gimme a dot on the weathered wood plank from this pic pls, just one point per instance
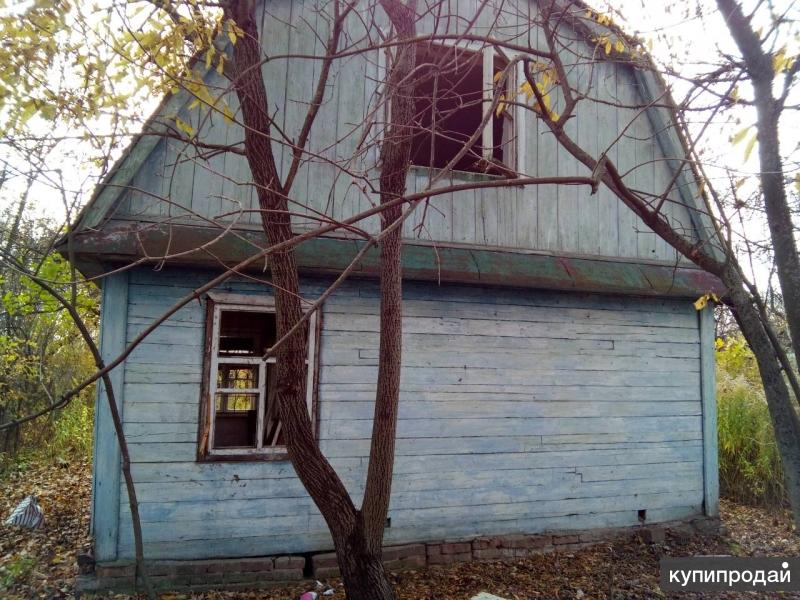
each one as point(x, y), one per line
point(709, 407)
point(106, 480)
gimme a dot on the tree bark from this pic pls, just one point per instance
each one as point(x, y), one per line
point(785, 420)
point(395, 160)
point(758, 65)
point(357, 534)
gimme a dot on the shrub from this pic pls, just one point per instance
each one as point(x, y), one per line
point(749, 462)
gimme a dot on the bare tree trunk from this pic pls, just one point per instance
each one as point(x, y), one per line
point(358, 549)
point(140, 576)
point(758, 65)
point(785, 420)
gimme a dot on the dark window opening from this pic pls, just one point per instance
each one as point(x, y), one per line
point(242, 387)
point(449, 107)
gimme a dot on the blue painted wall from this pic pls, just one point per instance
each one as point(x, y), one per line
point(521, 410)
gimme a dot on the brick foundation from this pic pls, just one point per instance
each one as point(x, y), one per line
point(268, 570)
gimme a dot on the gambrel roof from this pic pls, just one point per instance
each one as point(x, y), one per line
point(109, 228)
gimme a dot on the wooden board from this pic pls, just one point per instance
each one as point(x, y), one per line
point(518, 408)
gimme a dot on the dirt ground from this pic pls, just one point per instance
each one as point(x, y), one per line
point(42, 564)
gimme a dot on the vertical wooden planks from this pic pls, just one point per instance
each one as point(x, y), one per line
point(708, 395)
point(645, 181)
point(590, 138)
point(106, 482)
point(544, 162)
point(607, 133)
point(627, 161)
point(300, 87)
point(464, 212)
point(568, 206)
point(237, 184)
point(147, 185)
point(526, 207)
point(277, 31)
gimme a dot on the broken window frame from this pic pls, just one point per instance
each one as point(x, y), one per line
point(513, 119)
point(216, 305)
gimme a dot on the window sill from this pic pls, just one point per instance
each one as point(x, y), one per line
point(458, 176)
point(244, 457)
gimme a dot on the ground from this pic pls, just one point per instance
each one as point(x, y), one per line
point(42, 564)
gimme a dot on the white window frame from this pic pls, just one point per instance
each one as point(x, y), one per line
point(235, 303)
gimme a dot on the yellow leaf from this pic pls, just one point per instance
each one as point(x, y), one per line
point(797, 182)
point(619, 46)
point(209, 56)
point(608, 46)
point(526, 89)
point(497, 76)
point(718, 344)
point(701, 302)
point(750, 145)
point(232, 36)
point(184, 126)
point(228, 113)
point(501, 106)
point(738, 137)
point(221, 64)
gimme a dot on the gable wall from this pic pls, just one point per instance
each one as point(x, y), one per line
point(521, 411)
point(563, 219)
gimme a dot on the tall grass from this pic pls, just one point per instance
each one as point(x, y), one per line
point(749, 463)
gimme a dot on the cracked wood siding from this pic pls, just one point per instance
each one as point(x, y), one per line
point(519, 411)
point(565, 220)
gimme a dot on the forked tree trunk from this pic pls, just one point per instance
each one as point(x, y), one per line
point(357, 534)
point(365, 577)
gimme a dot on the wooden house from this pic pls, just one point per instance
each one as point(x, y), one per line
point(556, 375)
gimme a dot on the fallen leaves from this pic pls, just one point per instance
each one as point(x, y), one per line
point(42, 564)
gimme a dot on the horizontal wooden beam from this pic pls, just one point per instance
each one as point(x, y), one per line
point(123, 242)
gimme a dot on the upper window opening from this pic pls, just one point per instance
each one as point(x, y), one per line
point(451, 94)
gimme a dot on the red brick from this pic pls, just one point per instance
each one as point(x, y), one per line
point(493, 553)
point(284, 575)
point(409, 562)
point(112, 571)
point(290, 562)
point(456, 548)
point(447, 559)
point(526, 541)
point(327, 559)
point(484, 543)
point(398, 552)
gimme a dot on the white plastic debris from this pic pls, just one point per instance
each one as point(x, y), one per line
point(329, 592)
point(27, 514)
point(487, 596)
point(309, 596)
